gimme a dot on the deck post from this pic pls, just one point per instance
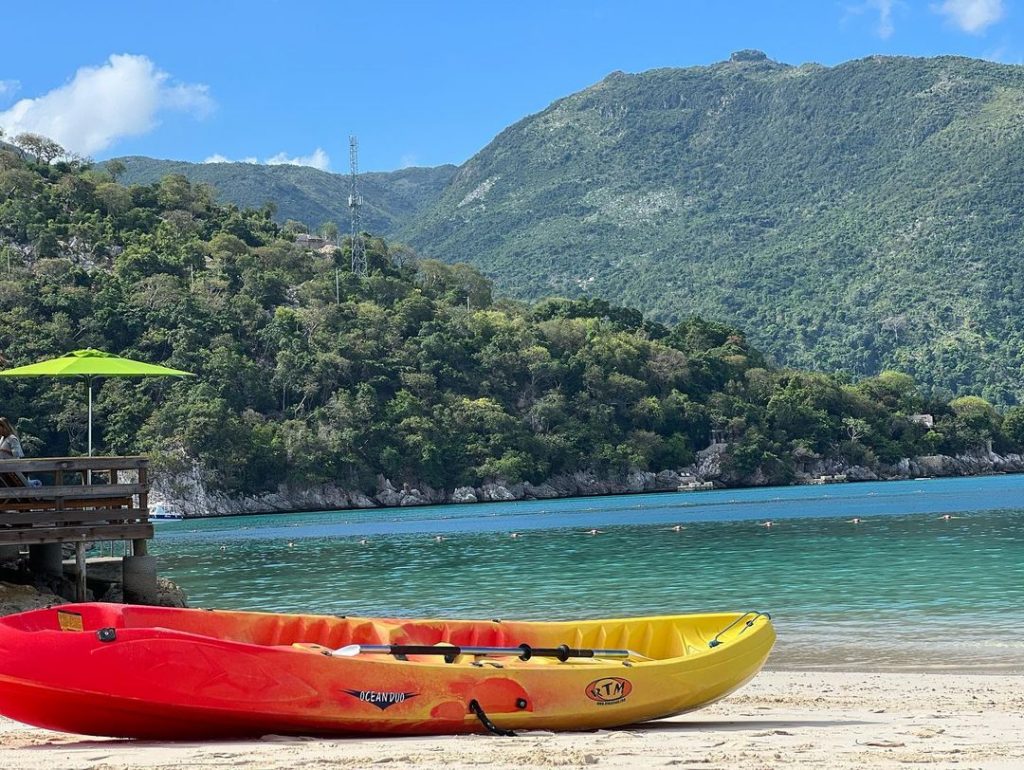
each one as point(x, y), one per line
point(46, 559)
point(80, 571)
point(139, 579)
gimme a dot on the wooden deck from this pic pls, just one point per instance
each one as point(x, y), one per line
point(81, 500)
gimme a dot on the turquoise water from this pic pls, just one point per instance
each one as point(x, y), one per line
point(903, 589)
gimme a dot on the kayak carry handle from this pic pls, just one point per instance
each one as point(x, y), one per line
point(716, 641)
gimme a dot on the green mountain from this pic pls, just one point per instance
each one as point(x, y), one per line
point(306, 194)
point(853, 218)
point(308, 374)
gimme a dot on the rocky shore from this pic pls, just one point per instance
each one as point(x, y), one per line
point(21, 589)
point(21, 597)
point(189, 495)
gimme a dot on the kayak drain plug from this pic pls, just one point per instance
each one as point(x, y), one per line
point(106, 634)
point(520, 703)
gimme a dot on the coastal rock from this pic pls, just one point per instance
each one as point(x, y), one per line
point(464, 495)
point(387, 495)
point(359, 500)
point(928, 465)
point(412, 496)
point(860, 473)
point(758, 479)
point(540, 491)
point(587, 484)
point(21, 598)
point(168, 594)
point(495, 493)
point(434, 496)
point(669, 480)
point(642, 481)
point(908, 468)
point(563, 486)
point(709, 462)
point(187, 493)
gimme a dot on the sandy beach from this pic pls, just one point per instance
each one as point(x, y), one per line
point(781, 719)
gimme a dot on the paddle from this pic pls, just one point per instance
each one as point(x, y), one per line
point(523, 652)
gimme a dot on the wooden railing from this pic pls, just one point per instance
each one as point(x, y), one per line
point(80, 500)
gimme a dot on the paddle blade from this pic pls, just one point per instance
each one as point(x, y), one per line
point(348, 651)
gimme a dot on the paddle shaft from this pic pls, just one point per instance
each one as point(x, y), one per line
point(523, 651)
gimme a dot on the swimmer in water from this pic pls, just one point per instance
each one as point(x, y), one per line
point(364, 541)
point(439, 538)
point(676, 528)
point(947, 517)
point(514, 535)
point(768, 523)
point(855, 520)
point(594, 532)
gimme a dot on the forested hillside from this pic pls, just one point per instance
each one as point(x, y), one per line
point(308, 373)
point(856, 218)
point(304, 194)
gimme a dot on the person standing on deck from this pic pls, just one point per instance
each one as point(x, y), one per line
point(10, 449)
point(10, 444)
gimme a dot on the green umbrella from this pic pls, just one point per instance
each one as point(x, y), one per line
point(90, 363)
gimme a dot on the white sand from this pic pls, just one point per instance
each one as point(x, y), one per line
point(782, 719)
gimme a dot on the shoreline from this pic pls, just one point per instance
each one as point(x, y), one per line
point(270, 503)
point(833, 721)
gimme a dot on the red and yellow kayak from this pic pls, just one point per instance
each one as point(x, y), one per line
point(159, 673)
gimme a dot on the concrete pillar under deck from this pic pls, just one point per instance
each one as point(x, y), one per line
point(46, 559)
point(139, 579)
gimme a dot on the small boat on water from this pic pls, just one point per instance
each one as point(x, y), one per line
point(161, 512)
point(160, 673)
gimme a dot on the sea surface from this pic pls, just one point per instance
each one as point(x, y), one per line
point(930, 577)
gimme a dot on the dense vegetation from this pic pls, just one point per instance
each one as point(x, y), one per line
point(304, 194)
point(309, 373)
point(854, 218)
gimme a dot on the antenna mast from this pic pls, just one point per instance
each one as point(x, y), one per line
point(355, 201)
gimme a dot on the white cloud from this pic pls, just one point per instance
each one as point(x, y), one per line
point(408, 160)
point(884, 8)
point(8, 87)
point(1003, 54)
point(100, 105)
point(885, 25)
point(318, 159)
point(971, 15)
point(218, 158)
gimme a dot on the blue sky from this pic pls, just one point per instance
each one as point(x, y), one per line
point(420, 83)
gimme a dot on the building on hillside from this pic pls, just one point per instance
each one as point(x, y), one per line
point(308, 241)
point(923, 419)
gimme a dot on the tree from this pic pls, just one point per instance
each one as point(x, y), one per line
point(43, 148)
point(115, 168)
point(329, 232)
point(1013, 427)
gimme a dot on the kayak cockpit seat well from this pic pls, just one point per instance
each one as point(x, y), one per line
point(657, 638)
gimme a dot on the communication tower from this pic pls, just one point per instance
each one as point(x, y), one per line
point(355, 201)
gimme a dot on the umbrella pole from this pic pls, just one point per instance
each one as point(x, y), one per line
point(88, 473)
point(90, 416)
